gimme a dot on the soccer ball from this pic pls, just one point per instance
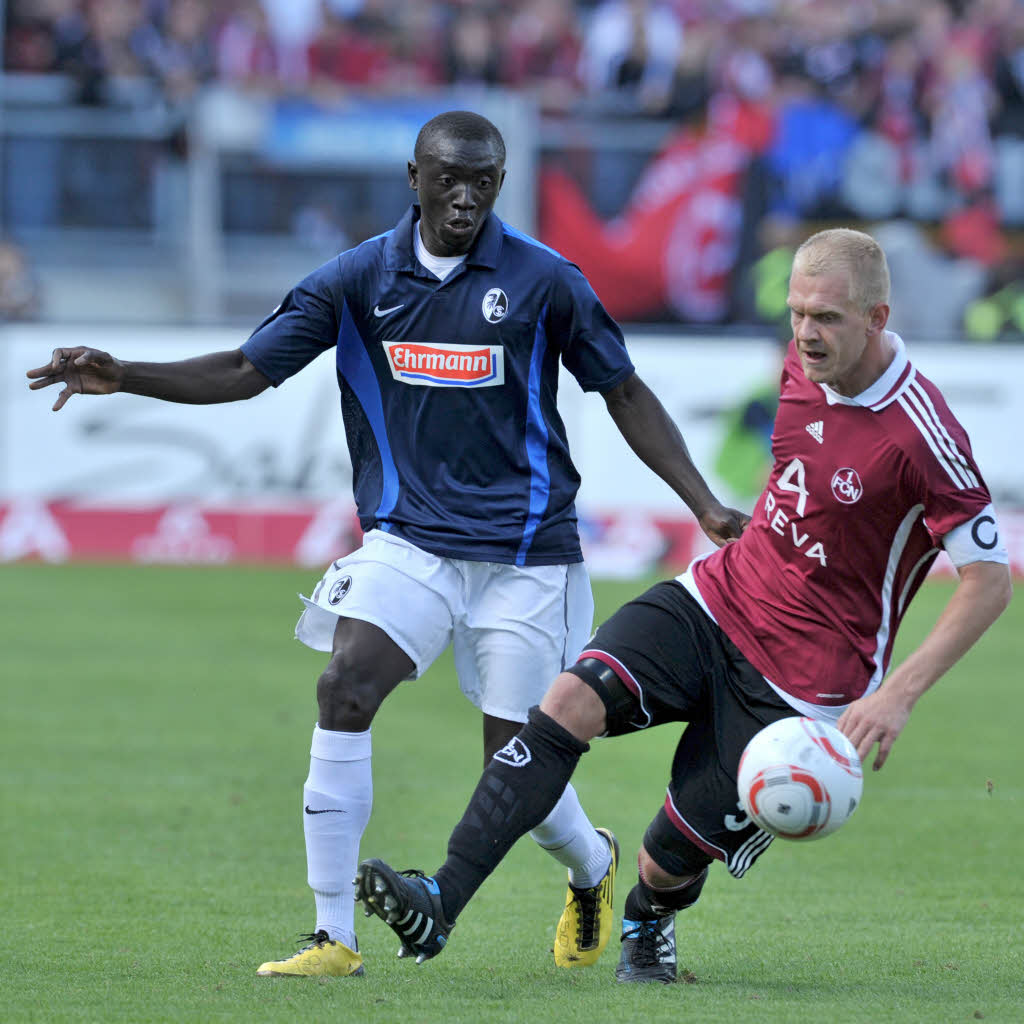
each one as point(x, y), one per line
point(799, 779)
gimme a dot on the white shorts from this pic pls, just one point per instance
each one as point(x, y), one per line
point(513, 628)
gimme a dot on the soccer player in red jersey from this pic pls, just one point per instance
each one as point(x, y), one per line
point(872, 476)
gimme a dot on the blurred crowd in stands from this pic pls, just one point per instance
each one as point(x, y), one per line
point(908, 66)
point(918, 96)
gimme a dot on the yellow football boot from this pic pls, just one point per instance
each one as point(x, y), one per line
point(586, 923)
point(322, 958)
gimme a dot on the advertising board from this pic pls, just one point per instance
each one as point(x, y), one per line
point(270, 479)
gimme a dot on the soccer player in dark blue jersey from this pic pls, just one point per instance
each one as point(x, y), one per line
point(449, 331)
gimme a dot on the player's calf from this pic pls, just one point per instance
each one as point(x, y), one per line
point(518, 789)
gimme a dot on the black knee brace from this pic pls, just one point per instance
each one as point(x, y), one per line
point(620, 706)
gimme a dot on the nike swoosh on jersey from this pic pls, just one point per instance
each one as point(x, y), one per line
point(377, 311)
point(326, 810)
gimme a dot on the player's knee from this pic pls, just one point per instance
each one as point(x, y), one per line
point(619, 705)
point(349, 694)
point(663, 890)
point(655, 875)
point(574, 706)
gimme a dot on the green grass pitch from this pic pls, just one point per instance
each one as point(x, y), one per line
point(155, 732)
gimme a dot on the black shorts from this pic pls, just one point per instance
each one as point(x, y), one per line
point(680, 667)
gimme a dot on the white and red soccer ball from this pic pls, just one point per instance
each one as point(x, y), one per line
point(800, 779)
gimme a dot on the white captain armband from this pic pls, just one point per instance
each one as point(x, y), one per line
point(977, 540)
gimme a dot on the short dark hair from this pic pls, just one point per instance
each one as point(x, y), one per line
point(459, 124)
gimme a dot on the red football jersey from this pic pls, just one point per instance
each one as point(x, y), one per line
point(860, 495)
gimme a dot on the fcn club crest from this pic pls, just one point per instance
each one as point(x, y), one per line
point(846, 486)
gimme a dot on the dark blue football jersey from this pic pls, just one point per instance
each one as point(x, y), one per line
point(448, 389)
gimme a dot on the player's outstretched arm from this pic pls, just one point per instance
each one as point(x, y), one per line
point(652, 434)
point(204, 380)
point(980, 597)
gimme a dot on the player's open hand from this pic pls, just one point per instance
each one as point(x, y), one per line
point(82, 371)
point(877, 718)
point(722, 524)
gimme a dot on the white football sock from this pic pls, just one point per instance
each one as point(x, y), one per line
point(336, 802)
point(566, 833)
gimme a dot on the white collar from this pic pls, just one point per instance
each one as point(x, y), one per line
point(881, 392)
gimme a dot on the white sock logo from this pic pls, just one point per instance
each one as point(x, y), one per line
point(515, 753)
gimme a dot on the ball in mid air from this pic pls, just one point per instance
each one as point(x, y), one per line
point(800, 779)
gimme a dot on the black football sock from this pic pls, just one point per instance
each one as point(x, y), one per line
point(517, 791)
point(645, 903)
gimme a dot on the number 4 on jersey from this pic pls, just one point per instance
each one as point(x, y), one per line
point(793, 479)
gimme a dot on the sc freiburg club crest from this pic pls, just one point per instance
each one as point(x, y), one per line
point(339, 589)
point(494, 306)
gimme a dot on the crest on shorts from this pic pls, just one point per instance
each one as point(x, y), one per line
point(339, 589)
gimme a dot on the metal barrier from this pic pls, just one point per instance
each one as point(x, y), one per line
point(139, 212)
point(133, 210)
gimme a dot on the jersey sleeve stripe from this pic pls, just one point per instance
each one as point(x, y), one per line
point(536, 443)
point(918, 397)
point(951, 468)
point(922, 564)
point(957, 453)
point(899, 544)
point(918, 394)
point(357, 370)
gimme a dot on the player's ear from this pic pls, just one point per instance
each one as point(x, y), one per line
point(413, 175)
point(501, 180)
point(878, 317)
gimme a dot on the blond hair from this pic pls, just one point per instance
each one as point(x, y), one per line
point(856, 252)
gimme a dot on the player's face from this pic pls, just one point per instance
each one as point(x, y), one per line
point(457, 182)
point(837, 340)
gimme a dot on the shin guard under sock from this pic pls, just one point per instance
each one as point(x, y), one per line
point(518, 789)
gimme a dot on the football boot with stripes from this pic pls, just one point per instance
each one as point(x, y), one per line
point(322, 958)
point(648, 950)
point(409, 903)
point(586, 922)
